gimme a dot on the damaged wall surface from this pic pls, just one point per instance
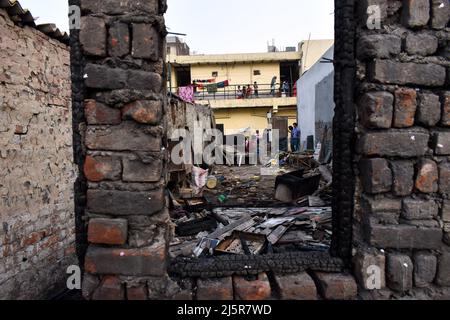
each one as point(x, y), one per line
point(397, 171)
point(37, 234)
point(403, 147)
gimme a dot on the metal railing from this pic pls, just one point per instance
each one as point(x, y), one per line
point(212, 92)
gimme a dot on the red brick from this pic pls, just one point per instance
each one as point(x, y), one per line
point(405, 108)
point(137, 292)
point(215, 289)
point(97, 169)
point(427, 176)
point(33, 238)
point(97, 113)
point(252, 290)
point(298, 286)
point(110, 288)
point(336, 286)
point(20, 129)
point(446, 110)
point(143, 111)
point(108, 231)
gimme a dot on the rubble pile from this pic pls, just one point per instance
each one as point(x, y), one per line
point(237, 210)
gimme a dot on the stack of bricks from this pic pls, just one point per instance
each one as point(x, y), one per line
point(128, 227)
point(403, 145)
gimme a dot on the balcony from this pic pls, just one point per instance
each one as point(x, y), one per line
point(235, 96)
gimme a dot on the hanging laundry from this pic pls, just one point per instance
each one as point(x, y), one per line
point(212, 88)
point(223, 84)
point(186, 93)
point(205, 81)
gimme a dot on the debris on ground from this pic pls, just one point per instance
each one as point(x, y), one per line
point(240, 210)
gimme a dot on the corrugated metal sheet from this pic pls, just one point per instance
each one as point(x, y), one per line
point(23, 17)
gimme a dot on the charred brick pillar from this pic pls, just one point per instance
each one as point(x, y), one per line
point(119, 106)
point(402, 149)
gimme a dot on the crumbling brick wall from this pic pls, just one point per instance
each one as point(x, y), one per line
point(402, 154)
point(118, 54)
point(36, 163)
point(391, 154)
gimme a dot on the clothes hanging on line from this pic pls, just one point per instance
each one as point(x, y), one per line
point(186, 93)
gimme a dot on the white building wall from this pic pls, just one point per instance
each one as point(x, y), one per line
point(306, 94)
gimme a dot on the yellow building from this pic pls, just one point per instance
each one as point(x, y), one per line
point(233, 109)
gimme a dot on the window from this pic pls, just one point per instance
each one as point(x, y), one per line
point(215, 74)
point(256, 72)
point(168, 50)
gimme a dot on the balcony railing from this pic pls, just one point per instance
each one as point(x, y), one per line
point(212, 92)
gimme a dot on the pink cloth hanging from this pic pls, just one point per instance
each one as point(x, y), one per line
point(186, 93)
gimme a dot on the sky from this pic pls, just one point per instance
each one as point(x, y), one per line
point(227, 26)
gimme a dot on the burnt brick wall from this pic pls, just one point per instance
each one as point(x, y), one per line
point(402, 158)
point(36, 163)
point(119, 52)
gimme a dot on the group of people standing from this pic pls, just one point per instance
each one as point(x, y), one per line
point(247, 91)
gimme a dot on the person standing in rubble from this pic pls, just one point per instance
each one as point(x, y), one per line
point(295, 138)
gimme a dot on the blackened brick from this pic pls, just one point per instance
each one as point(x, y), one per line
point(399, 272)
point(404, 236)
point(416, 209)
point(119, 40)
point(425, 265)
point(401, 143)
point(376, 175)
point(103, 77)
point(422, 44)
point(444, 178)
point(379, 46)
point(384, 210)
point(93, 36)
point(429, 109)
point(145, 42)
point(443, 273)
point(416, 13)
point(440, 13)
point(114, 7)
point(403, 73)
point(376, 109)
point(137, 171)
point(441, 143)
point(143, 80)
point(123, 203)
point(127, 136)
point(403, 177)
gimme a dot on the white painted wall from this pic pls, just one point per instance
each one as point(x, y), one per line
point(306, 94)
